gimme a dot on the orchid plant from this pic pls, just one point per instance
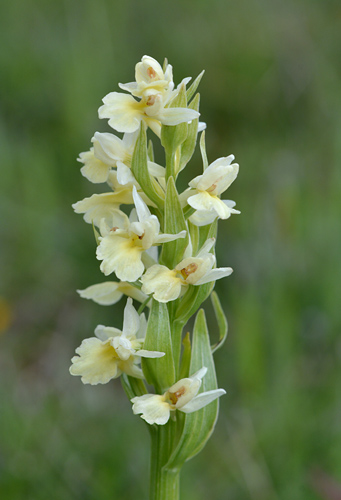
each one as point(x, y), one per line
point(163, 254)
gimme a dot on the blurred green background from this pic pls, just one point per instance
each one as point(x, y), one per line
point(271, 96)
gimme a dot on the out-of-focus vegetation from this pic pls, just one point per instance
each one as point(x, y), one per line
point(271, 96)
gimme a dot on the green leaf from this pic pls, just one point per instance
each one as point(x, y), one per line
point(188, 146)
point(208, 231)
point(159, 372)
point(173, 136)
point(192, 300)
point(192, 89)
point(172, 252)
point(222, 321)
point(199, 425)
point(96, 233)
point(203, 150)
point(194, 235)
point(139, 167)
point(150, 151)
point(186, 357)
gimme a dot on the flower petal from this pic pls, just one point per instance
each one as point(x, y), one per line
point(110, 292)
point(142, 210)
point(108, 147)
point(131, 320)
point(124, 174)
point(105, 333)
point(102, 206)
point(215, 274)
point(106, 294)
point(153, 407)
point(124, 112)
point(121, 256)
point(202, 217)
point(96, 363)
point(202, 400)
point(163, 238)
point(174, 116)
point(94, 169)
point(143, 353)
point(163, 283)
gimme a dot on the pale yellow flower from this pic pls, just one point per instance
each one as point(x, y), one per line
point(121, 245)
point(166, 285)
point(205, 190)
point(125, 113)
point(155, 89)
point(183, 396)
point(149, 75)
point(113, 352)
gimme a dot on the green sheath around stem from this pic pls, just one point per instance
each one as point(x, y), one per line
point(164, 483)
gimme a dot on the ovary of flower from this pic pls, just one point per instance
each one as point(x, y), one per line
point(149, 75)
point(166, 285)
point(183, 396)
point(110, 292)
point(112, 351)
point(125, 113)
point(122, 245)
point(206, 189)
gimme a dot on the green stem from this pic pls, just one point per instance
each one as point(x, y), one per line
point(164, 483)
